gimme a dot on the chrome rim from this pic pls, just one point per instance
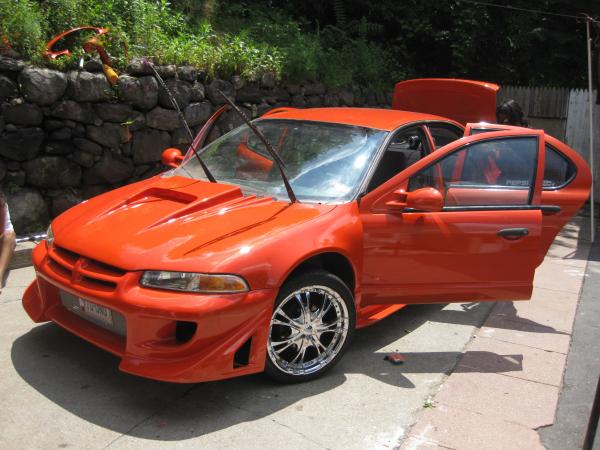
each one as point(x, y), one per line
point(308, 329)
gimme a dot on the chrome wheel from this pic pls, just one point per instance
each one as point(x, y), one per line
point(308, 329)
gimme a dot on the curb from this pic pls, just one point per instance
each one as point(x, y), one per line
point(22, 255)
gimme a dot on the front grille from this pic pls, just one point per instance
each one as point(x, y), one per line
point(84, 271)
point(65, 254)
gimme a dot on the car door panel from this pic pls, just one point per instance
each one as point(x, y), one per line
point(449, 256)
point(471, 250)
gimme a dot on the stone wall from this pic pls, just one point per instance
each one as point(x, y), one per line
point(65, 137)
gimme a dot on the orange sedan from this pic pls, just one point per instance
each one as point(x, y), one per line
point(188, 280)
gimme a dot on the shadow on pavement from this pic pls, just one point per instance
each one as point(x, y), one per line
point(570, 239)
point(85, 380)
point(504, 310)
point(511, 320)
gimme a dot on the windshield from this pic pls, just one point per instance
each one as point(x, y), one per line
point(324, 162)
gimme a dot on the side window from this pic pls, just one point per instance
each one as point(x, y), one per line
point(558, 170)
point(494, 172)
point(443, 134)
point(405, 149)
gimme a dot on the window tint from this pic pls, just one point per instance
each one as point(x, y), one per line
point(558, 170)
point(444, 134)
point(405, 149)
point(495, 172)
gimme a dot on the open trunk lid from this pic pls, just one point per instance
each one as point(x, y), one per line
point(460, 100)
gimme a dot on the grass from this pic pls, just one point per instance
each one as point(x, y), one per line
point(429, 403)
point(223, 38)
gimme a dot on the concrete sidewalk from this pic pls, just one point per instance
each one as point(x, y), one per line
point(583, 367)
point(503, 401)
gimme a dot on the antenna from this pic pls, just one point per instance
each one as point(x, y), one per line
point(181, 117)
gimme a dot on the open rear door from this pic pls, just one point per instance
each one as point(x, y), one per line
point(460, 100)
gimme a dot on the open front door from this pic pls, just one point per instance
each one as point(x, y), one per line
point(204, 132)
point(462, 224)
point(566, 181)
point(460, 100)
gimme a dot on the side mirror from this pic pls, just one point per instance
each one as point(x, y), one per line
point(425, 199)
point(172, 157)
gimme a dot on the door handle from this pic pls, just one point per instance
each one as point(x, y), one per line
point(512, 234)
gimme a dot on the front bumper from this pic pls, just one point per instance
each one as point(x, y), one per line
point(149, 346)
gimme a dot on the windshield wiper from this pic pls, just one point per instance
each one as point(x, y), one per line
point(268, 146)
point(182, 118)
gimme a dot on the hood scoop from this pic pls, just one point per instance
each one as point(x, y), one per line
point(190, 202)
point(155, 194)
point(207, 205)
point(170, 204)
point(191, 198)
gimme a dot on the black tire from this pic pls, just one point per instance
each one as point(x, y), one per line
point(336, 303)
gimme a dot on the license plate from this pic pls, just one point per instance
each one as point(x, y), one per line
point(95, 311)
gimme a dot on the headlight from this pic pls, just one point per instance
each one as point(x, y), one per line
point(194, 282)
point(49, 236)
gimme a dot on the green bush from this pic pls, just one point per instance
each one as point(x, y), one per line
point(21, 25)
point(225, 39)
point(303, 57)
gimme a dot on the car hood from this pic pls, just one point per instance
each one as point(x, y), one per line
point(169, 222)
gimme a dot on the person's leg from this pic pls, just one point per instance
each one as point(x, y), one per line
point(7, 248)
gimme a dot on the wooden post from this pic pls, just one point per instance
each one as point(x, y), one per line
point(590, 93)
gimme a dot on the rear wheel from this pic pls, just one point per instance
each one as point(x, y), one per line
point(312, 323)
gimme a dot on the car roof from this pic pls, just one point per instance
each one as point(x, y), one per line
point(382, 119)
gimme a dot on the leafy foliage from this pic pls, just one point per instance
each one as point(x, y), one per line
point(453, 38)
point(342, 43)
point(21, 24)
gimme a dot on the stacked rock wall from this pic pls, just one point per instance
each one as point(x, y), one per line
point(65, 137)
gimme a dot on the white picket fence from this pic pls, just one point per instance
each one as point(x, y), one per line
point(578, 123)
point(577, 133)
point(544, 102)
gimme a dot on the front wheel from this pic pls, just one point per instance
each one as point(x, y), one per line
point(312, 323)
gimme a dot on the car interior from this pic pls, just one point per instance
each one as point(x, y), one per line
point(405, 149)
